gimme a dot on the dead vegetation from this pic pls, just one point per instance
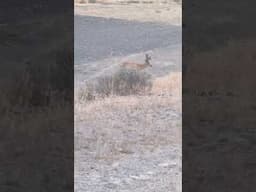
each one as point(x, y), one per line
point(123, 124)
point(122, 83)
point(132, 84)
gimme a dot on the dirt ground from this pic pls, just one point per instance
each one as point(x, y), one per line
point(165, 13)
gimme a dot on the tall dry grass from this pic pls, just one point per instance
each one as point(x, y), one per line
point(170, 84)
point(123, 124)
point(122, 83)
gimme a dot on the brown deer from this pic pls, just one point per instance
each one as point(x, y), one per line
point(137, 66)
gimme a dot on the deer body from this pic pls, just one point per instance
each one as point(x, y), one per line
point(137, 66)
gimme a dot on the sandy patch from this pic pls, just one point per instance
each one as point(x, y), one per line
point(166, 14)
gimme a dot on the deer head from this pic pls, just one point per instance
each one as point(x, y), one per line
point(148, 58)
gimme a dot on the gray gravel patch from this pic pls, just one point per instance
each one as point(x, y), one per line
point(158, 171)
point(98, 38)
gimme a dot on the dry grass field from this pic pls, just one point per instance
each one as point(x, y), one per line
point(118, 130)
point(127, 122)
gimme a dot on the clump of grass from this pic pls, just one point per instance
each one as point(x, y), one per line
point(124, 82)
point(104, 86)
point(169, 84)
point(87, 93)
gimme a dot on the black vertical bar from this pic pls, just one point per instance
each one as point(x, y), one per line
point(36, 108)
point(219, 96)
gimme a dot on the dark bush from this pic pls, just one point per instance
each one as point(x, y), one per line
point(124, 82)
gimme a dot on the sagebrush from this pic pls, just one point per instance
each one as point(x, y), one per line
point(122, 83)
